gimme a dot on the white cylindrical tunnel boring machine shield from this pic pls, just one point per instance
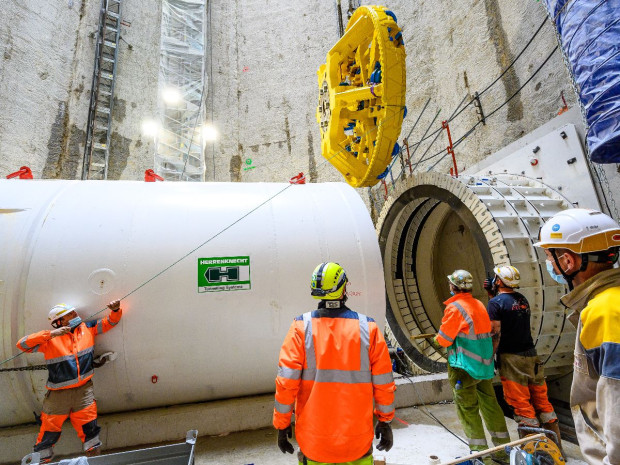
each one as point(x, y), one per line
point(209, 327)
point(434, 224)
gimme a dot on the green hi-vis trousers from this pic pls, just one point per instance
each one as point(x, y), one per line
point(476, 397)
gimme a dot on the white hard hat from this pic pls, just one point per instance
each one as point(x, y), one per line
point(462, 279)
point(60, 310)
point(508, 274)
point(579, 230)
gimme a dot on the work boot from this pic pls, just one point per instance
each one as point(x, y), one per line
point(555, 427)
point(94, 451)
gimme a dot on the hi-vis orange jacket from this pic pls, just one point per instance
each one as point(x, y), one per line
point(332, 364)
point(69, 357)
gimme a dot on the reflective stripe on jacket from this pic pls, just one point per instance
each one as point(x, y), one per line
point(332, 364)
point(69, 357)
point(466, 332)
point(596, 377)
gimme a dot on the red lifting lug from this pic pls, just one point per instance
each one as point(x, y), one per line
point(299, 179)
point(150, 176)
point(23, 173)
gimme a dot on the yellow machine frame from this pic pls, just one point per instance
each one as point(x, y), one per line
point(362, 96)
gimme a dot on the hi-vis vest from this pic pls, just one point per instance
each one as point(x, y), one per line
point(69, 357)
point(466, 332)
point(333, 363)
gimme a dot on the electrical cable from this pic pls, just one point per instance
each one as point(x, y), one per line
point(427, 411)
point(492, 112)
point(457, 112)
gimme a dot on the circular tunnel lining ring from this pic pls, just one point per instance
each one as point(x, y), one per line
point(434, 224)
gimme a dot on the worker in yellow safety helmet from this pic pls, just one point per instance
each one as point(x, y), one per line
point(582, 247)
point(333, 364)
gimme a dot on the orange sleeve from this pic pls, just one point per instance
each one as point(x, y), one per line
point(288, 380)
point(106, 324)
point(450, 326)
point(32, 342)
point(383, 386)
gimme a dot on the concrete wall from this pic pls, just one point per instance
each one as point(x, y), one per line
point(262, 82)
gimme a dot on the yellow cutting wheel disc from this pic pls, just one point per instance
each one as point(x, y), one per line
point(362, 96)
point(545, 447)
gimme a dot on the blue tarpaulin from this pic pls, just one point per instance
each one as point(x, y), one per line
point(589, 32)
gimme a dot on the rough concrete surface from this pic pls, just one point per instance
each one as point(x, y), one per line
point(262, 58)
point(416, 436)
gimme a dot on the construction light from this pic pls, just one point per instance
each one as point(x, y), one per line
point(171, 95)
point(150, 128)
point(209, 133)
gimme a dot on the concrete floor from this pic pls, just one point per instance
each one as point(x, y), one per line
point(416, 437)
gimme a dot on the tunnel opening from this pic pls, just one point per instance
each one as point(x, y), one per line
point(435, 224)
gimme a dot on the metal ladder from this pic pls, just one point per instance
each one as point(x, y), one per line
point(97, 150)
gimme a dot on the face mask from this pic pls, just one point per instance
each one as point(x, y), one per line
point(75, 322)
point(558, 278)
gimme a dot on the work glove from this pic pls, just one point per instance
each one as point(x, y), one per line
point(436, 345)
point(115, 306)
point(283, 443)
point(488, 286)
point(383, 431)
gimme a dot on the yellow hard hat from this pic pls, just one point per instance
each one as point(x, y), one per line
point(508, 274)
point(579, 230)
point(328, 280)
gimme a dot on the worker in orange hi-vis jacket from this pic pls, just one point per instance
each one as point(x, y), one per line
point(333, 363)
point(69, 350)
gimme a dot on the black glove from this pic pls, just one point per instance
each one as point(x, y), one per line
point(383, 430)
point(283, 443)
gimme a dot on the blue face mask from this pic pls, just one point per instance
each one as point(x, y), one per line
point(75, 322)
point(558, 278)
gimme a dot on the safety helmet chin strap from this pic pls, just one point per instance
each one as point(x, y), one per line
point(569, 277)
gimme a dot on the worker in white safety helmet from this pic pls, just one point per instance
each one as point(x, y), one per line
point(69, 355)
point(582, 247)
point(465, 333)
point(520, 368)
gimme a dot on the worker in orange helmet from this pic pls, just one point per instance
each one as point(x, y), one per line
point(69, 355)
point(333, 363)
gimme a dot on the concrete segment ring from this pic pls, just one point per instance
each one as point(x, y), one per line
point(502, 215)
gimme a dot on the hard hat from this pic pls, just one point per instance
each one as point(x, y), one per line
point(328, 280)
point(462, 279)
point(60, 310)
point(579, 230)
point(508, 274)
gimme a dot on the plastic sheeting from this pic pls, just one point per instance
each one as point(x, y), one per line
point(589, 33)
point(181, 91)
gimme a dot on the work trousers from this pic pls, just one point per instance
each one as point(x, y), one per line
point(476, 397)
point(525, 390)
point(366, 460)
point(78, 404)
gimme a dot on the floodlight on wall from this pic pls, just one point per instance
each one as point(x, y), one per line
point(209, 133)
point(150, 128)
point(171, 96)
